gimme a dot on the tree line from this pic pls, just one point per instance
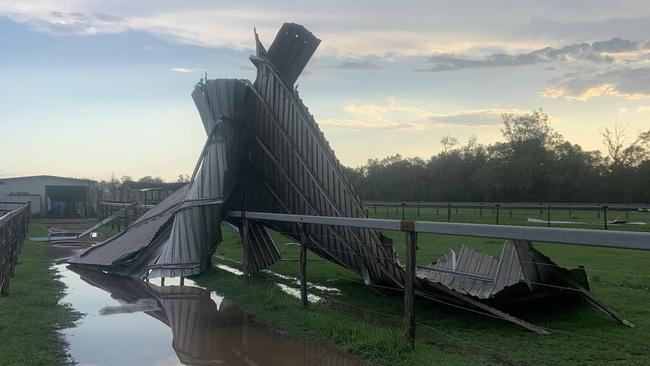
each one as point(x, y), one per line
point(532, 163)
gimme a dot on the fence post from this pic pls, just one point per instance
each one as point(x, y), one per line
point(605, 216)
point(497, 208)
point(449, 212)
point(403, 209)
point(548, 216)
point(480, 210)
point(303, 268)
point(409, 281)
point(245, 244)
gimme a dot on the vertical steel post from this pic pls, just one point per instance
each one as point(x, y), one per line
point(246, 245)
point(409, 286)
point(303, 268)
point(449, 212)
point(403, 209)
point(497, 208)
point(605, 216)
point(548, 216)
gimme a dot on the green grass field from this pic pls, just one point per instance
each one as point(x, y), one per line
point(31, 315)
point(367, 323)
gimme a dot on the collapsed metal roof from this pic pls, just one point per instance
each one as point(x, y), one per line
point(265, 152)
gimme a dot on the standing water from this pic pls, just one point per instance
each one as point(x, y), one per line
point(131, 322)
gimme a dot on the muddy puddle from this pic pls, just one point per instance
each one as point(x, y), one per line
point(132, 322)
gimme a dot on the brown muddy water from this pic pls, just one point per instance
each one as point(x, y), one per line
point(132, 322)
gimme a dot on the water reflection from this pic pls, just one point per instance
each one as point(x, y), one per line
point(206, 329)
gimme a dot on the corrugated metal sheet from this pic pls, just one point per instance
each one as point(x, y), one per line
point(474, 273)
point(291, 50)
point(129, 252)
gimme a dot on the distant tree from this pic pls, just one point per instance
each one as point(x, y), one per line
point(126, 179)
point(183, 178)
point(448, 142)
point(530, 127)
point(150, 179)
point(532, 163)
point(619, 152)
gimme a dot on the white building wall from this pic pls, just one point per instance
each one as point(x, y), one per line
point(35, 186)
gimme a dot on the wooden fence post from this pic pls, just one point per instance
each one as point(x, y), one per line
point(409, 286)
point(303, 268)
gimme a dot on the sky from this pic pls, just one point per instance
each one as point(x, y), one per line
point(96, 89)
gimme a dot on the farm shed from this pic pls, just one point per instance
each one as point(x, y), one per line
point(49, 195)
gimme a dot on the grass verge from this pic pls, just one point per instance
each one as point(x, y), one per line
point(31, 315)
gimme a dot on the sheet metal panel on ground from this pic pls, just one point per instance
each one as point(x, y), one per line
point(265, 152)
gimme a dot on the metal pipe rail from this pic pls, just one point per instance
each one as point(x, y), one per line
point(522, 205)
point(585, 237)
point(126, 204)
point(13, 230)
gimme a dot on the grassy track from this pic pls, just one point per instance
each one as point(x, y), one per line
point(350, 320)
point(31, 315)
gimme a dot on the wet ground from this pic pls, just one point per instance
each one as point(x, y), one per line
point(132, 322)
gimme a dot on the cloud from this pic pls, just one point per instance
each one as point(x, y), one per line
point(349, 31)
point(599, 52)
point(182, 69)
point(473, 118)
point(354, 124)
point(627, 83)
point(395, 115)
point(358, 65)
point(628, 26)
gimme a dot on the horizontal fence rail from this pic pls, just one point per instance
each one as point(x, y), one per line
point(13, 230)
point(522, 205)
point(587, 237)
